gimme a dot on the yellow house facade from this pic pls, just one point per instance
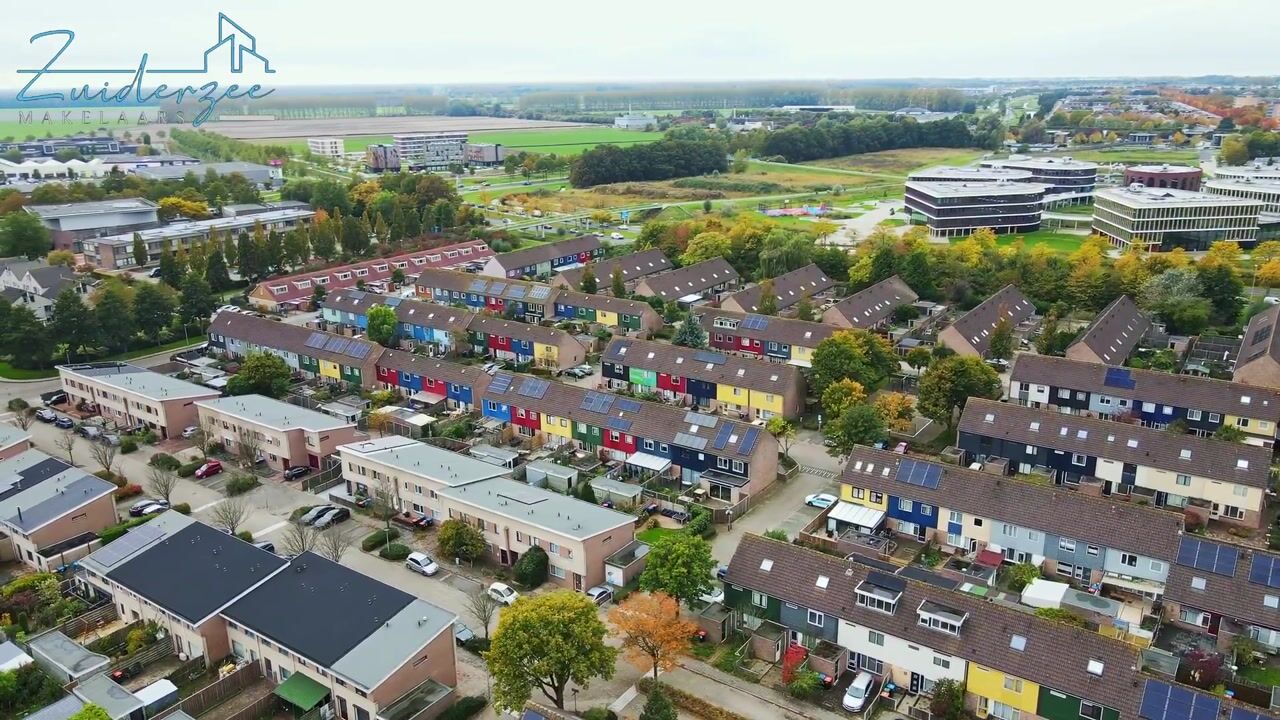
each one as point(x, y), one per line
point(546, 355)
point(864, 497)
point(607, 318)
point(330, 370)
point(1257, 432)
point(765, 403)
point(997, 693)
point(558, 426)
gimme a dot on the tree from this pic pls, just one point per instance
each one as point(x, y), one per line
point(482, 607)
point(531, 569)
point(298, 539)
point(918, 358)
point(249, 257)
point(842, 395)
point(948, 700)
point(323, 241)
point(690, 333)
point(618, 286)
point(456, 539)
point(680, 565)
point(297, 250)
point(72, 323)
point(382, 325)
point(261, 374)
point(66, 442)
point(1001, 345)
point(768, 304)
point(161, 482)
point(804, 309)
point(544, 642)
point(1269, 274)
point(335, 541)
point(104, 454)
point(113, 315)
point(153, 307)
point(171, 270)
point(1235, 151)
point(858, 425)
point(783, 431)
point(197, 298)
point(1229, 433)
point(61, 257)
point(588, 284)
point(355, 236)
point(896, 409)
point(216, 272)
point(949, 382)
point(24, 418)
point(658, 706)
point(1222, 288)
point(248, 447)
point(22, 233)
point(855, 354)
point(229, 514)
point(90, 712)
point(273, 252)
point(653, 634)
point(706, 246)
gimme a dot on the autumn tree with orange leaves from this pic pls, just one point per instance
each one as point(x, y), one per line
point(653, 633)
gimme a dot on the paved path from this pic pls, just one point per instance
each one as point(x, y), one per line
point(742, 697)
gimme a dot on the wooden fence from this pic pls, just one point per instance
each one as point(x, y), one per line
point(90, 620)
point(217, 692)
point(158, 651)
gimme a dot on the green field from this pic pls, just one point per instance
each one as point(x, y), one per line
point(564, 141)
point(900, 162)
point(1059, 242)
point(1133, 156)
point(10, 127)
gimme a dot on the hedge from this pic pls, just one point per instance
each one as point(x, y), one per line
point(189, 469)
point(116, 531)
point(128, 491)
point(245, 535)
point(184, 508)
point(394, 551)
point(377, 539)
point(241, 484)
point(128, 445)
point(689, 702)
point(464, 708)
point(165, 461)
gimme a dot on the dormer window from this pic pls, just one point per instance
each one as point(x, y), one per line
point(880, 592)
point(940, 617)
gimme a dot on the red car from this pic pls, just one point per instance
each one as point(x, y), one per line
point(209, 469)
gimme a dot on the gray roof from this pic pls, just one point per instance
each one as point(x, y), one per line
point(158, 528)
point(12, 435)
point(53, 278)
point(393, 642)
point(11, 653)
point(92, 208)
point(1116, 331)
point(429, 461)
point(1236, 596)
point(540, 508)
point(872, 305)
point(284, 336)
point(689, 280)
point(1260, 338)
point(1187, 454)
point(788, 288)
point(977, 325)
point(66, 654)
point(952, 173)
point(634, 266)
point(63, 709)
point(222, 168)
point(273, 413)
point(705, 365)
point(131, 378)
point(49, 501)
point(788, 331)
point(1137, 196)
point(1185, 391)
point(415, 312)
point(546, 252)
point(106, 694)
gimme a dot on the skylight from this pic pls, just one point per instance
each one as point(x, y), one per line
point(766, 565)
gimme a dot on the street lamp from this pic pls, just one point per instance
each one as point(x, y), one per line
point(575, 701)
point(730, 513)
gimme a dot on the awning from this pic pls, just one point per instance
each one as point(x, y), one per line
point(859, 515)
point(990, 558)
point(648, 462)
point(427, 398)
point(301, 692)
point(1144, 586)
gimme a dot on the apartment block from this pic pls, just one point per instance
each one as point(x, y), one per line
point(286, 435)
point(330, 147)
point(50, 511)
point(132, 397)
point(431, 151)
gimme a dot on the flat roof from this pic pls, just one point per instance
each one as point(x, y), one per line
point(1045, 163)
point(428, 461)
point(1138, 195)
point(953, 172)
point(222, 168)
point(1261, 184)
point(36, 488)
point(961, 189)
point(70, 656)
point(1163, 168)
point(131, 378)
point(273, 413)
point(92, 208)
point(394, 642)
point(196, 227)
point(106, 694)
point(12, 435)
point(540, 508)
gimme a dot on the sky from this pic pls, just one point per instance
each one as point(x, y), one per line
point(321, 42)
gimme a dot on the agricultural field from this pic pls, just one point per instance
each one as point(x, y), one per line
point(564, 141)
point(900, 162)
point(9, 125)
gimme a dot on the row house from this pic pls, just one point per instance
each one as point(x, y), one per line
point(439, 327)
point(871, 308)
point(429, 380)
point(708, 280)
point(970, 334)
point(1153, 399)
point(543, 347)
point(1113, 335)
point(528, 301)
point(50, 510)
point(915, 634)
point(298, 291)
point(130, 396)
point(633, 267)
point(705, 379)
point(1212, 479)
point(788, 289)
point(1259, 360)
point(1225, 591)
point(313, 354)
point(286, 435)
point(546, 259)
point(622, 316)
point(782, 340)
point(417, 471)
point(1070, 535)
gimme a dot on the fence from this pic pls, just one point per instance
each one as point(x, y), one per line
point(265, 706)
point(218, 692)
point(186, 671)
point(92, 619)
point(323, 480)
point(158, 651)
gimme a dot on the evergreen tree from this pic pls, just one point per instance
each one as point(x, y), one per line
point(296, 248)
point(247, 255)
point(273, 260)
point(355, 237)
point(216, 273)
point(381, 232)
point(588, 284)
point(140, 257)
point(323, 241)
point(171, 269)
point(445, 214)
point(690, 333)
point(231, 251)
point(619, 288)
point(658, 706)
point(197, 298)
point(412, 223)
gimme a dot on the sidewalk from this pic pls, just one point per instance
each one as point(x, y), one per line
point(746, 699)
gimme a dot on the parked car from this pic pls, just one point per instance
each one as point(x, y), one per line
point(56, 397)
point(155, 273)
point(209, 469)
point(46, 415)
point(309, 516)
point(422, 564)
point(140, 508)
point(295, 472)
point(90, 432)
point(900, 448)
point(227, 308)
point(855, 696)
point(503, 593)
point(64, 422)
point(714, 595)
point(600, 594)
point(189, 432)
point(722, 572)
point(615, 236)
point(266, 545)
point(820, 500)
point(330, 519)
point(461, 634)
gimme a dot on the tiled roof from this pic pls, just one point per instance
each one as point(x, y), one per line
point(776, 329)
point(689, 280)
point(705, 365)
point(1055, 654)
point(293, 338)
point(633, 267)
point(508, 289)
point(521, 331)
point(872, 305)
point(414, 312)
point(1238, 595)
point(1260, 338)
point(1067, 513)
point(442, 370)
point(302, 285)
point(1116, 331)
point(977, 325)
point(1180, 453)
point(608, 303)
point(534, 254)
point(787, 288)
point(1185, 391)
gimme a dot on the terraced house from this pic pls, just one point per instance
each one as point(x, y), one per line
point(510, 298)
point(776, 339)
point(544, 347)
point(429, 380)
point(420, 323)
point(1151, 398)
point(1012, 664)
point(1213, 479)
point(633, 267)
point(1072, 536)
point(871, 308)
point(622, 316)
point(543, 260)
point(707, 280)
point(1113, 335)
point(704, 379)
point(970, 334)
point(1225, 591)
point(1259, 361)
point(313, 354)
point(788, 289)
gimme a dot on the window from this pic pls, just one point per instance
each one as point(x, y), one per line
point(1091, 711)
point(1198, 583)
point(858, 493)
point(556, 571)
point(877, 497)
point(759, 599)
point(875, 638)
point(1242, 422)
point(1012, 684)
point(738, 467)
point(1271, 601)
point(1064, 393)
point(1184, 480)
point(1067, 545)
point(1092, 550)
point(1078, 459)
point(1129, 559)
point(648, 444)
point(1194, 617)
point(1215, 417)
point(1193, 414)
point(1004, 712)
point(722, 463)
point(1157, 566)
point(1240, 490)
point(553, 548)
point(817, 619)
point(941, 662)
point(905, 505)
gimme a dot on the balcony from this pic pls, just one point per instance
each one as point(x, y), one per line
point(426, 701)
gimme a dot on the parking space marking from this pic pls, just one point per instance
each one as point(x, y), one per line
point(206, 506)
point(271, 528)
point(819, 472)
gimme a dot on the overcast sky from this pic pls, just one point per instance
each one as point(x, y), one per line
point(316, 42)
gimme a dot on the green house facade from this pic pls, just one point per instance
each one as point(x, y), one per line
point(1057, 705)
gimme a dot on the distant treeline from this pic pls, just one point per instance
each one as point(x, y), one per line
point(659, 160)
point(219, 148)
point(831, 138)
point(761, 96)
point(935, 99)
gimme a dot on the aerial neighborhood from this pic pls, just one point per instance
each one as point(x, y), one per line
point(912, 399)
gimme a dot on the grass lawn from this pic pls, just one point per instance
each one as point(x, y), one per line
point(652, 534)
point(893, 222)
point(564, 141)
point(1265, 675)
point(1058, 242)
point(1074, 209)
point(900, 162)
point(9, 372)
point(1132, 156)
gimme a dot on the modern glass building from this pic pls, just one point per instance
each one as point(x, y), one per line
point(952, 209)
point(1161, 219)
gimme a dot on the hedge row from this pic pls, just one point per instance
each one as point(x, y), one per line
point(466, 707)
point(377, 539)
point(689, 702)
point(394, 551)
point(189, 469)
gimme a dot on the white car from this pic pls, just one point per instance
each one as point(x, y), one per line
point(422, 564)
point(714, 595)
point(820, 500)
point(490, 368)
point(616, 236)
point(189, 432)
point(855, 697)
point(227, 308)
point(503, 593)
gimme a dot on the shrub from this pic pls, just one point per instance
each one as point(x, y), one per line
point(184, 508)
point(18, 405)
point(1066, 617)
point(189, 469)
point(26, 582)
point(476, 645)
point(115, 531)
point(394, 551)
point(379, 538)
point(165, 461)
point(531, 568)
point(805, 684)
point(128, 491)
point(1021, 575)
point(149, 437)
point(240, 484)
point(245, 535)
point(465, 708)
point(692, 703)
point(599, 713)
point(114, 479)
point(777, 534)
point(128, 445)
point(653, 524)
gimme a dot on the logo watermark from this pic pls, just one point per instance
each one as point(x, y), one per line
point(239, 45)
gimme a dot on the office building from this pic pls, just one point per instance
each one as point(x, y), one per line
point(1266, 192)
point(1062, 175)
point(635, 122)
point(484, 154)
point(263, 176)
point(1160, 219)
point(1256, 171)
point(115, 252)
point(330, 147)
point(1178, 177)
point(954, 209)
point(71, 222)
point(431, 151)
point(980, 174)
point(382, 158)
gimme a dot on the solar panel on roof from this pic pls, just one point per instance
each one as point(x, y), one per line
point(532, 387)
point(915, 472)
point(497, 288)
point(691, 441)
point(1119, 378)
point(316, 340)
point(1265, 570)
point(709, 357)
point(1239, 713)
point(336, 344)
point(1207, 556)
point(540, 292)
point(722, 437)
point(615, 423)
point(1161, 701)
point(749, 441)
point(359, 351)
point(500, 383)
point(393, 301)
point(755, 322)
point(130, 543)
point(516, 291)
point(477, 285)
point(628, 405)
point(699, 419)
